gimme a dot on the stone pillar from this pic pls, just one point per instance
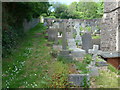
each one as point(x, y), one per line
point(110, 33)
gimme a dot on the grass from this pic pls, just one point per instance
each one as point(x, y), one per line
point(60, 41)
point(106, 79)
point(31, 64)
point(82, 66)
point(112, 68)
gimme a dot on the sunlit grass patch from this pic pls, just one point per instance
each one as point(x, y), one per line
point(22, 68)
point(107, 79)
point(58, 72)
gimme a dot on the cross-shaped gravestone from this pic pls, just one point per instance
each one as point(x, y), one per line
point(94, 52)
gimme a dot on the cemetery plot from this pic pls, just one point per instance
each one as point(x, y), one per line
point(90, 67)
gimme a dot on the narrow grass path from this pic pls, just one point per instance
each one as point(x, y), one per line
point(31, 64)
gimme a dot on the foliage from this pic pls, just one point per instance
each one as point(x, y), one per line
point(88, 28)
point(106, 79)
point(51, 17)
point(60, 41)
point(82, 67)
point(79, 10)
point(87, 59)
point(14, 14)
point(60, 10)
point(112, 68)
point(65, 60)
point(86, 83)
point(31, 65)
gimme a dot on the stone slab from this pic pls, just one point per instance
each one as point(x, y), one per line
point(78, 79)
point(78, 52)
point(93, 71)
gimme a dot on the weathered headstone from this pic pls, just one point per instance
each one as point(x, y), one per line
point(86, 42)
point(93, 71)
point(52, 34)
point(71, 44)
point(78, 37)
point(78, 79)
point(94, 50)
point(56, 25)
point(64, 39)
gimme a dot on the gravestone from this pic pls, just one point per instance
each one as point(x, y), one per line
point(93, 71)
point(92, 67)
point(56, 25)
point(78, 37)
point(78, 79)
point(64, 39)
point(65, 53)
point(86, 42)
point(78, 53)
point(71, 43)
point(52, 34)
point(94, 50)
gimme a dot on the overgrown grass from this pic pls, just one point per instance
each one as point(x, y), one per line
point(31, 64)
point(106, 79)
point(112, 69)
point(82, 66)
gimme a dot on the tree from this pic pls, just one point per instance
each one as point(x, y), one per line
point(60, 10)
point(13, 16)
point(80, 10)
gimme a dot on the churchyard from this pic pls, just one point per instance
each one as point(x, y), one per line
point(68, 53)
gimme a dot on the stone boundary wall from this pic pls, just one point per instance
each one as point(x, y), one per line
point(28, 25)
point(92, 22)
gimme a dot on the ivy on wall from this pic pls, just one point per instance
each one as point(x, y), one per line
point(13, 16)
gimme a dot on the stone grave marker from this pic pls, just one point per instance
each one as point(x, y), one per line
point(86, 42)
point(64, 52)
point(94, 50)
point(78, 79)
point(78, 37)
point(64, 39)
point(93, 71)
point(52, 34)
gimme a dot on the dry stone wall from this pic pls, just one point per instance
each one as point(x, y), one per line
point(91, 22)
